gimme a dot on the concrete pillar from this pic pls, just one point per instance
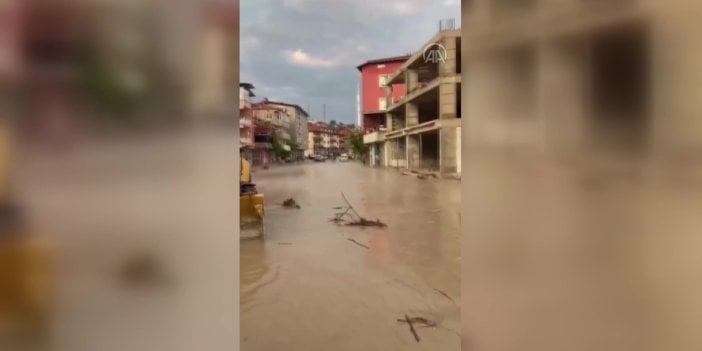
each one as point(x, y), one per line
point(449, 66)
point(458, 150)
point(411, 80)
point(447, 101)
point(448, 142)
point(412, 151)
point(411, 114)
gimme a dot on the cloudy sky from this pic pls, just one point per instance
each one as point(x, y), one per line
point(306, 51)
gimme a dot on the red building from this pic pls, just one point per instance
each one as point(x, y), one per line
point(374, 102)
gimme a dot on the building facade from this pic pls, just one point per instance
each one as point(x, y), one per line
point(422, 125)
point(278, 118)
point(323, 139)
point(373, 100)
point(298, 119)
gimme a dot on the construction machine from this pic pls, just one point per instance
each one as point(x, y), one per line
point(251, 211)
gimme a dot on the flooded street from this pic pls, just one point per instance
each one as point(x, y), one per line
point(307, 286)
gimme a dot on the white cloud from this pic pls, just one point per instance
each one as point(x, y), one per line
point(301, 58)
point(361, 9)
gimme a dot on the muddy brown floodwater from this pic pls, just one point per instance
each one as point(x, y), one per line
point(306, 286)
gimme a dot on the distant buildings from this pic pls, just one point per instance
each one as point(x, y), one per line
point(330, 140)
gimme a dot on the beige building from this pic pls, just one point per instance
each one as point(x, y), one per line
point(298, 119)
point(423, 128)
point(278, 118)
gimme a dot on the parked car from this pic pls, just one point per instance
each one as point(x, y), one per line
point(343, 158)
point(319, 158)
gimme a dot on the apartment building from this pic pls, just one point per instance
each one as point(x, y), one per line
point(298, 118)
point(323, 139)
point(373, 99)
point(584, 76)
point(278, 118)
point(423, 128)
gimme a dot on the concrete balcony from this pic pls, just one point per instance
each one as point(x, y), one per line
point(245, 123)
point(424, 127)
point(373, 137)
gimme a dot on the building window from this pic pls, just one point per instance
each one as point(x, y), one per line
point(382, 104)
point(383, 80)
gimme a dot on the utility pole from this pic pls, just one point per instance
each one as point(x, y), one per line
point(324, 112)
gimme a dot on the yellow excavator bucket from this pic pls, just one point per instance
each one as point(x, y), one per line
point(251, 211)
point(251, 215)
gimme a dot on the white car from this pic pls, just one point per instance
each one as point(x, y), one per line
point(343, 158)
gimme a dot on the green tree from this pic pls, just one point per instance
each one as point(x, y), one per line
point(359, 148)
point(278, 149)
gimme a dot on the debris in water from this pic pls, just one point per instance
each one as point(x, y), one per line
point(357, 243)
point(285, 243)
point(445, 294)
point(414, 332)
point(290, 203)
point(367, 223)
point(421, 177)
point(338, 208)
point(419, 320)
point(353, 218)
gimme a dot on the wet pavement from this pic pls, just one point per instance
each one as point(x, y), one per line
point(307, 286)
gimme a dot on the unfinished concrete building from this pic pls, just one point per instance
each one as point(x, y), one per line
point(574, 75)
point(424, 127)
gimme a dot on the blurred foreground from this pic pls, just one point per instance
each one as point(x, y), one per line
point(582, 175)
point(117, 200)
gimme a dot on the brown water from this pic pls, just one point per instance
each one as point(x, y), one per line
point(305, 286)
